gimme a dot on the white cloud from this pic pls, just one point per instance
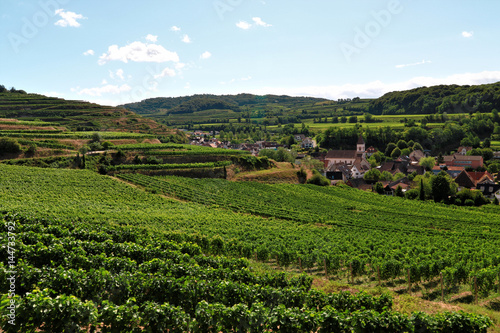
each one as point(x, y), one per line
point(107, 89)
point(151, 38)
point(104, 81)
point(89, 52)
point(187, 86)
point(205, 55)
point(243, 25)
point(138, 52)
point(258, 21)
point(378, 88)
point(186, 39)
point(414, 64)
point(179, 66)
point(119, 73)
point(174, 28)
point(467, 34)
point(165, 72)
point(68, 19)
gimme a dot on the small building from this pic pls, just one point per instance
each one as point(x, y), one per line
point(452, 171)
point(308, 143)
point(488, 188)
point(465, 161)
point(463, 150)
point(299, 137)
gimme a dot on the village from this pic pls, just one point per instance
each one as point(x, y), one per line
point(353, 167)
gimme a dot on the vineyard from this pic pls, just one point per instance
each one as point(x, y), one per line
point(108, 254)
point(75, 277)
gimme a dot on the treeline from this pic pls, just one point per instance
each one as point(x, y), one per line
point(11, 90)
point(464, 131)
point(439, 99)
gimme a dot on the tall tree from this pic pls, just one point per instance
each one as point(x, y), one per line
point(441, 186)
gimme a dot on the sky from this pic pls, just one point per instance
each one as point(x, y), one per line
point(114, 52)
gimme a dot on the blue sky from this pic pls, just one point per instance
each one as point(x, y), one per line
point(120, 51)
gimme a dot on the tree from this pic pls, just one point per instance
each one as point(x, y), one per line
point(368, 118)
point(487, 143)
point(9, 145)
point(390, 147)
point(96, 137)
point(302, 175)
point(396, 153)
point(372, 175)
point(421, 193)
point(427, 162)
point(386, 175)
point(441, 186)
point(318, 179)
point(379, 188)
point(402, 144)
point(418, 146)
point(399, 191)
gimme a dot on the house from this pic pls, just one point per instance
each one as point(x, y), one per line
point(420, 170)
point(359, 183)
point(464, 180)
point(370, 151)
point(481, 176)
point(346, 156)
point(308, 143)
point(465, 161)
point(488, 187)
point(391, 187)
point(398, 165)
point(470, 179)
point(359, 167)
point(463, 150)
point(452, 171)
point(270, 145)
point(299, 137)
point(336, 172)
point(416, 155)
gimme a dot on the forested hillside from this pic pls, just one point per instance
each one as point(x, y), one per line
point(189, 104)
point(439, 99)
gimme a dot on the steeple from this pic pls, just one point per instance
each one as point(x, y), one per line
point(360, 148)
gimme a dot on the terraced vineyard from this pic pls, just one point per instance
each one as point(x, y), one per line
point(94, 253)
point(73, 115)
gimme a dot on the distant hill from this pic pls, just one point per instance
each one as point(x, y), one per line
point(439, 99)
point(74, 115)
point(195, 103)
point(210, 111)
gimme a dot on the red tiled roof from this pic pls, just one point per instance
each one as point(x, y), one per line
point(334, 154)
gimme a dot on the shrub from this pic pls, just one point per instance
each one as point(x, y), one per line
point(8, 145)
point(318, 179)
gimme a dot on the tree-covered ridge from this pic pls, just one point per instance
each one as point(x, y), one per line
point(189, 104)
point(439, 99)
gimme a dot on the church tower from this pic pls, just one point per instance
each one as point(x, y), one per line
point(361, 145)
